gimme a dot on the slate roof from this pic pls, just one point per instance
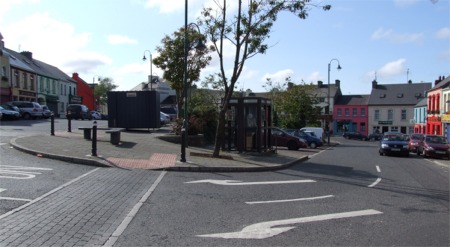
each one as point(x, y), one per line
point(398, 94)
point(353, 100)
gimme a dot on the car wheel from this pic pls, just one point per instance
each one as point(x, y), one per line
point(292, 146)
point(407, 154)
point(26, 116)
point(372, 139)
point(381, 153)
point(364, 139)
point(424, 153)
point(312, 145)
point(418, 152)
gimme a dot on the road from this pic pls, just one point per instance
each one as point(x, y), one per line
point(347, 195)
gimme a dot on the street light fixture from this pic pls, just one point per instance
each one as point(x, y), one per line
point(329, 105)
point(150, 77)
point(199, 46)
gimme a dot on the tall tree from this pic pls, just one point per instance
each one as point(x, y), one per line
point(101, 90)
point(171, 60)
point(247, 30)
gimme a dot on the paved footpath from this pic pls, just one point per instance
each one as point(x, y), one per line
point(84, 212)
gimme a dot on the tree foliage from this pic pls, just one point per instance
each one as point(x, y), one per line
point(101, 90)
point(171, 60)
point(247, 30)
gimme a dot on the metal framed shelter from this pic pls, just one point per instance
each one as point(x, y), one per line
point(248, 124)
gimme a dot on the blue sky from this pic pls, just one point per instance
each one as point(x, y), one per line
point(381, 39)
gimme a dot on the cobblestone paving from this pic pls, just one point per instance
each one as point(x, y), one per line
point(84, 213)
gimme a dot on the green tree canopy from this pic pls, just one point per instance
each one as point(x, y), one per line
point(101, 90)
point(171, 60)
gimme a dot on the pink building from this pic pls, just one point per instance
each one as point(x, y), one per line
point(351, 114)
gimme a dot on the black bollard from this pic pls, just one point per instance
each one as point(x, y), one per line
point(52, 124)
point(69, 119)
point(94, 139)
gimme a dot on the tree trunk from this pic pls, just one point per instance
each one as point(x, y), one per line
point(219, 133)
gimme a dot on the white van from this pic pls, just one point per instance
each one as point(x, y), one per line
point(316, 130)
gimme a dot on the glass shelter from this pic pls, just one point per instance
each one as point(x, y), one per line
point(248, 124)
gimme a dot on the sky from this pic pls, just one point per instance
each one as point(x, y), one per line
point(392, 41)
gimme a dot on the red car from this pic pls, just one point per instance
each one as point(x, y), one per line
point(284, 139)
point(434, 146)
point(414, 142)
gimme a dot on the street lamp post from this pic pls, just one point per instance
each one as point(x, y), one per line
point(150, 61)
point(199, 46)
point(329, 105)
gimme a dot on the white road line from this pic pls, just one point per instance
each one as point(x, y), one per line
point(292, 200)
point(236, 182)
point(378, 169)
point(375, 183)
point(121, 228)
point(46, 194)
point(271, 228)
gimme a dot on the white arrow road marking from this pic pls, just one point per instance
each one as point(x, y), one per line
point(11, 198)
point(292, 200)
point(271, 228)
point(378, 179)
point(237, 182)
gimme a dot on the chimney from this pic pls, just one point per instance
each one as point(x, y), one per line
point(338, 83)
point(27, 54)
point(374, 84)
point(75, 75)
point(319, 84)
point(409, 82)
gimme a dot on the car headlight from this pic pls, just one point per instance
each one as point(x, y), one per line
point(429, 148)
point(384, 145)
point(405, 146)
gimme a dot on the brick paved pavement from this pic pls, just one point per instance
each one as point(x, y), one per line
point(84, 213)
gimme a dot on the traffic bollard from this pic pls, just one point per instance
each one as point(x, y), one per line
point(94, 139)
point(69, 119)
point(52, 124)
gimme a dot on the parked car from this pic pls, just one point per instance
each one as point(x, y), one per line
point(165, 118)
point(414, 142)
point(28, 110)
point(9, 114)
point(312, 141)
point(284, 139)
point(318, 132)
point(171, 112)
point(434, 146)
point(393, 143)
point(78, 111)
point(46, 113)
point(96, 115)
point(375, 137)
point(355, 135)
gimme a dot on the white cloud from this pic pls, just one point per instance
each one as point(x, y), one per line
point(390, 69)
point(120, 39)
point(279, 76)
point(54, 42)
point(443, 33)
point(401, 38)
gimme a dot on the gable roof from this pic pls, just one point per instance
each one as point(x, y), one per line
point(398, 94)
point(353, 100)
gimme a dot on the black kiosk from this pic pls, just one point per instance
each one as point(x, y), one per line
point(248, 122)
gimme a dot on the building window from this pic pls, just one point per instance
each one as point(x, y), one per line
point(394, 128)
point(47, 86)
point(390, 115)
point(31, 82)
point(355, 112)
point(3, 71)
point(339, 112)
point(363, 112)
point(53, 87)
point(403, 114)
point(376, 116)
point(24, 81)
point(347, 112)
point(16, 79)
